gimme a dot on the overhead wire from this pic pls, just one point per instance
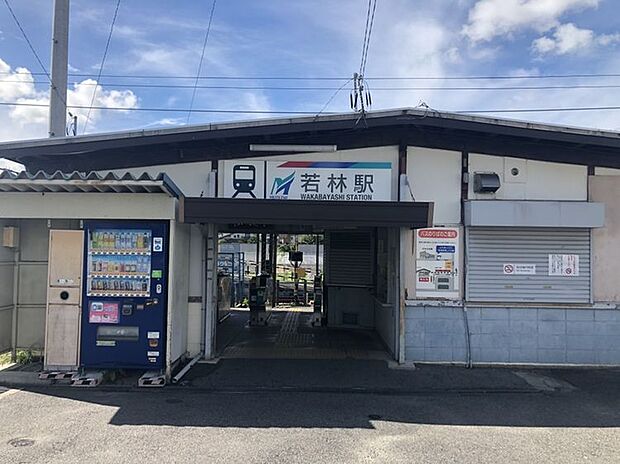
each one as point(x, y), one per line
point(301, 112)
point(105, 54)
point(331, 98)
point(204, 47)
point(367, 35)
point(333, 78)
point(318, 88)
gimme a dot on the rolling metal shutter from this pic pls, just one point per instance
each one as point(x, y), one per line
point(349, 258)
point(489, 249)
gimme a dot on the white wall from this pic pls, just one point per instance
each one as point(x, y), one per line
point(435, 175)
point(191, 178)
point(178, 290)
point(132, 206)
point(195, 332)
point(537, 180)
point(386, 154)
point(605, 240)
point(606, 171)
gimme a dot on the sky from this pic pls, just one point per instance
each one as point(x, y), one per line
point(311, 39)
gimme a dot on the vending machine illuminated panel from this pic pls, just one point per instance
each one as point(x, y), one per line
point(123, 323)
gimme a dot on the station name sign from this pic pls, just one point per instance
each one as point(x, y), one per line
point(309, 180)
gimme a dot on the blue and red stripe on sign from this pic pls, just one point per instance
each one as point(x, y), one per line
point(336, 165)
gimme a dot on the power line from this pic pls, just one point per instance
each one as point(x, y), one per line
point(204, 47)
point(333, 96)
point(105, 54)
point(335, 78)
point(165, 110)
point(32, 49)
point(301, 112)
point(316, 88)
point(370, 19)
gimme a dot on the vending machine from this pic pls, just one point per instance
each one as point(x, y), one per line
point(125, 295)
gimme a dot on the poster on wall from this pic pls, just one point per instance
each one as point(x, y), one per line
point(564, 265)
point(437, 273)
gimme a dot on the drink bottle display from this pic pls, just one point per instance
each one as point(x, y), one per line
point(119, 262)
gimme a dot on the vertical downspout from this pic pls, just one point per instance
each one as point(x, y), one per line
point(591, 172)
point(402, 173)
point(15, 320)
point(464, 196)
point(203, 294)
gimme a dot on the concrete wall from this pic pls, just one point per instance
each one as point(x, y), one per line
point(386, 312)
point(385, 322)
point(536, 180)
point(191, 178)
point(606, 171)
point(517, 335)
point(7, 260)
point(435, 175)
point(195, 325)
point(32, 291)
point(178, 290)
point(606, 240)
point(115, 206)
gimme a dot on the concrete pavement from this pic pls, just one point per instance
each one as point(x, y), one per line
point(60, 425)
point(322, 412)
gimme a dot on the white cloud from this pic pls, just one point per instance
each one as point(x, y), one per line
point(492, 18)
point(568, 38)
point(24, 122)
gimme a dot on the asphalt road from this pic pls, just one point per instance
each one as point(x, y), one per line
point(181, 425)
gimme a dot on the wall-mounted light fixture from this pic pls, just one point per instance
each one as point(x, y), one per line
point(294, 148)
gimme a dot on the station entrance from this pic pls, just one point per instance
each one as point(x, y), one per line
point(327, 294)
point(353, 307)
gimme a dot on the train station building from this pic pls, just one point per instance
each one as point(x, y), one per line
point(445, 239)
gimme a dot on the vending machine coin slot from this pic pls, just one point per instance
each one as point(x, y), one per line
point(127, 309)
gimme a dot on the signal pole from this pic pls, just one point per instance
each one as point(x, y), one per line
point(60, 62)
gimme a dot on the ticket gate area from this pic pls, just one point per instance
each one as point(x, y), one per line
point(303, 306)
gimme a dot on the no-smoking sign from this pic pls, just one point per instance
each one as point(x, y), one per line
point(509, 269)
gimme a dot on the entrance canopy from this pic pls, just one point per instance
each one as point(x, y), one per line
point(242, 212)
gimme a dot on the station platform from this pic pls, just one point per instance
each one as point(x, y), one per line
point(289, 335)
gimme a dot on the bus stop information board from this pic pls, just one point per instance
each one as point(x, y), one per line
point(437, 263)
point(309, 180)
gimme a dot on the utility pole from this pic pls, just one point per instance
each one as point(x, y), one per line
point(60, 63)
